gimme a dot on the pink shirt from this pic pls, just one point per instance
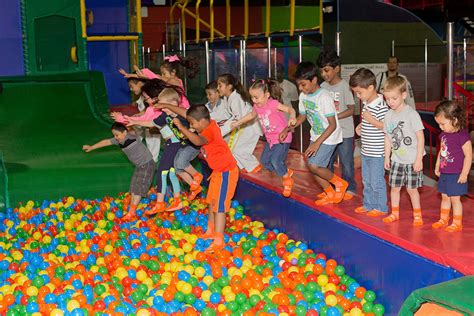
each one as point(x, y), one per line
point(273, 121)
point(150, 114)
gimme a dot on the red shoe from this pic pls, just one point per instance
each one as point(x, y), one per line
point(192, 195)
point(159, 207)
point(198, 177)
point(176, 205)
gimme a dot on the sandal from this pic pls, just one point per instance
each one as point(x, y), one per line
point(325, 200)
point(390, 219)
point(340, 191)
point(361, 210)
point(192, 195)
point(442, 223)
point(375, 213)
point(198, 177)
point(417, 220)
point(453, 228)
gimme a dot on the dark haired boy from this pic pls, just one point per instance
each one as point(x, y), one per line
point(139, 155)
point(317, 105)
point(330, 66)
point(225, 173)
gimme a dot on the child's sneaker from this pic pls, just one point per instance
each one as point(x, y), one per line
point(192, 195)
point(197, 177)
point(175, 205)
point(159, 207)
point(288, 183)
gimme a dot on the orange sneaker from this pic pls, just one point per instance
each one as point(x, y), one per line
point(192, 195)
point(376, 213)
point(198, 177)
point(361, 210)
point(340, 190)
point(159, 207)
point(176, 205)
point(287, 185)
point(129, 216)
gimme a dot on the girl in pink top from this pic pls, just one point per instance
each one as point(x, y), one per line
point(272, 114)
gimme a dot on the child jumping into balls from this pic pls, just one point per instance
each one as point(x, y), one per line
point(139, 155)
point(225, 173)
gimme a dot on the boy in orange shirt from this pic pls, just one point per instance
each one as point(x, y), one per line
point(225, 173)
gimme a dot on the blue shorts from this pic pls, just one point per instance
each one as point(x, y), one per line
point(448, 184)
point(322, 157)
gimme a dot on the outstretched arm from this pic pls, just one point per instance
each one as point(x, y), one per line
point(194, 138)
point(289, 110)
point(243, 120)
point(102, 143)
point(176, 109)
point(132, 121)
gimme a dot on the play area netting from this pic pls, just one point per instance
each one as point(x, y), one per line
point(44, 121)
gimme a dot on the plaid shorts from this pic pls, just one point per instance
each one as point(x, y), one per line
point(142, 178)
point(403, 175)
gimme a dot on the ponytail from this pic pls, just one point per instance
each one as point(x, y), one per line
point(172, 63)
point(229, 79)
point(268, 85)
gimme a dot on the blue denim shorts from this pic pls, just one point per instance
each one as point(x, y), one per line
point(322, 157)
point(448, 184)
point(184, 157)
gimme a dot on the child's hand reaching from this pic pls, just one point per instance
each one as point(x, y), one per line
point(283, 135)
point(358, 129)
point(177, 123)
point(126, 74)
point(116, 115)
point(386, 163)
point(312, 149)
point(87, 148)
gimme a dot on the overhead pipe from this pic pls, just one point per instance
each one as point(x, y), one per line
point(292, 17)
point(267, 18)
point(246, 19)
point(211, 18)
point(198, 33)
point(183, 19)
point(227, 20)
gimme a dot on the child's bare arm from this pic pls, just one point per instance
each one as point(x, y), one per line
point(288, 109)
point(176, 109)
point(420, 149)
point(388, 151)
point(466, 167)
point(102, 143)
point(347, 113)
point(299, 120)
point(245, 119)
point(437, 173)
point(132, 121)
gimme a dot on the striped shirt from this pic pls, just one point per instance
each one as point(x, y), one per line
point(373, 139)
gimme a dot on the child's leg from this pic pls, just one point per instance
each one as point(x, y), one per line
point(346, 158)
point(266, 158)
point(395, 201)
point(378, 184)
point(279, 152)
point(415, 203)
point(457, 214)
point(317, 164)
point(153, 143)
point(219, 224)
point(244, 147)
point(445, 210)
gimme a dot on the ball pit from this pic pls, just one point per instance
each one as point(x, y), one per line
point(77, 257)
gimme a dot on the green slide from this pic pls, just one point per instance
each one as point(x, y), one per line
point(44, 121)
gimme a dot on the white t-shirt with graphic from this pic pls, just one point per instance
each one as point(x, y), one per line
point(342, 96)
point(317, 107)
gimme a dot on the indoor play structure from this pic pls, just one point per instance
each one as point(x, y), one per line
point(64, 249)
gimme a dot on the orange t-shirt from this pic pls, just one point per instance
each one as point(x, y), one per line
point(217, 153)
